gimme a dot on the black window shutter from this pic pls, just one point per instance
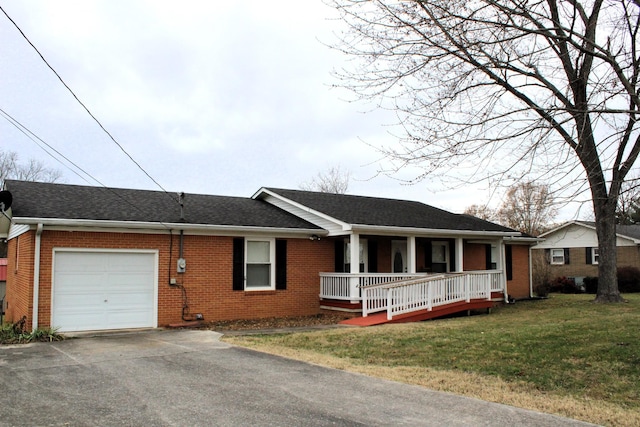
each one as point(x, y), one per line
point(452, 255)
point(238, 264)
point(566, 256)
point(428, 260)
point(339, 256)
point(487, 254)
point(509, 261)
point(547, 255)
point(281, 264)
point(372, 248)
point(588, 256)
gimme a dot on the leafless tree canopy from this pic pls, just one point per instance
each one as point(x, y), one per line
point(334, 180)
point(482, 212)
point(508, 88)
point(528, 207)
point(628, 210)
point(33, 170)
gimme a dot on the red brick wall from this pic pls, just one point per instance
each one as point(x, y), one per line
point(207, 280)
point(19, 291)
point(519, 287)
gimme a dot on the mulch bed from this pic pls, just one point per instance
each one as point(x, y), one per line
point(275, 322)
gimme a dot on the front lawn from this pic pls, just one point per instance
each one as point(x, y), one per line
point(563, 355)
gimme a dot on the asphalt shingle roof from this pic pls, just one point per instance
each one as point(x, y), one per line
point(377, 211)
point(44, 200)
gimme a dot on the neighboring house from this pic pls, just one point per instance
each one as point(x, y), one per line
point(91, 258)
point(571, 250)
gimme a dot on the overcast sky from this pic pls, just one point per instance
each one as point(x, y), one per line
point(208, 97)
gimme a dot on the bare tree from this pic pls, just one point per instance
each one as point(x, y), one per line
point(628, 210)
point(335, 180)
point(33, 170)
point(482, 212)
point(538, 88)
point(528, 207)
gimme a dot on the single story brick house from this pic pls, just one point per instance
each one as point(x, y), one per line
point(571, 250)
point(94, 258)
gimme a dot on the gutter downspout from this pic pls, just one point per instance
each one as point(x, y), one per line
point(36, 277)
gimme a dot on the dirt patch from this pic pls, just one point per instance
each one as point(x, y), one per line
point(276, 322)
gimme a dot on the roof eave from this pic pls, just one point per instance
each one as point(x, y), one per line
point(344, 225)
point(140, 225)
point(590, 227)
point(414, 231)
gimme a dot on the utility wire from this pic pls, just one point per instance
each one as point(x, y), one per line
point(32, 135)
point(35, 138)
point(85, 107)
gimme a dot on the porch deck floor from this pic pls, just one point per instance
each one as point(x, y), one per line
point(416, 316)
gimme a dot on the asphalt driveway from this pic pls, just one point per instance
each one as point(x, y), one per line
point(190, 378)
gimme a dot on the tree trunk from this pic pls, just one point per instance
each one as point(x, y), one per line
point(607, 252)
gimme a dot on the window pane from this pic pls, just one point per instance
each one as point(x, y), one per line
point(557, 256)
point(257, 251)
point(438, 253)
point(258, 275)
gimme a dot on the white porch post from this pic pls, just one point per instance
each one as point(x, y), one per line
point(500, 265)
point(459, 254)
point(411, 254)
point(354, 263)
point(501, 257)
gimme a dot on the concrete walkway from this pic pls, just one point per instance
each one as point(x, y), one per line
point(190, 378)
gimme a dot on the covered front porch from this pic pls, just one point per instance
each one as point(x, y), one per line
point(401, 273)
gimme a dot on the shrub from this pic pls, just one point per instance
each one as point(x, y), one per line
point(542, 290)
point(565, 285)
point(591, 285)
point(628, 279)
point(15, 333)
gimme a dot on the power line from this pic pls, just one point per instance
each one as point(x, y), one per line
point(35, 138)
point(85, 107)
point(32, 136)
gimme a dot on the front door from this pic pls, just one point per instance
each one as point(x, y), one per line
point(399, 256)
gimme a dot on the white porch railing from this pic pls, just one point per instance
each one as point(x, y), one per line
point(338, 285)
point(429, 292)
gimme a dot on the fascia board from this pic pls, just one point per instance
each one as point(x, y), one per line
point(565, 225)
point(590, 227)
point(345, 226)
point(411, 231)
point(95, 225)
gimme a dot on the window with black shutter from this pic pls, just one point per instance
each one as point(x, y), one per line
point(281, 264)
point(238, 264)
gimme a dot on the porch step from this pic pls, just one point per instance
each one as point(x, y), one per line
point(416, 316)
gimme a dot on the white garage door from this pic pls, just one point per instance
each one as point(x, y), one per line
point(104, 290)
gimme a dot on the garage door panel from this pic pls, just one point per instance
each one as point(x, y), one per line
point(139, 280)
point(81, 282)
point(128, 319)
point(104, 290)
point(69, 302)
point(66, 262)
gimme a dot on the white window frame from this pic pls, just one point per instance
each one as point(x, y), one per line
point(445, 245)
point(272, 263)
point(595, 256)
point(364, 254)
point(553, 256)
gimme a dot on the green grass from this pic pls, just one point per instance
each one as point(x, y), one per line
point(564, 346)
